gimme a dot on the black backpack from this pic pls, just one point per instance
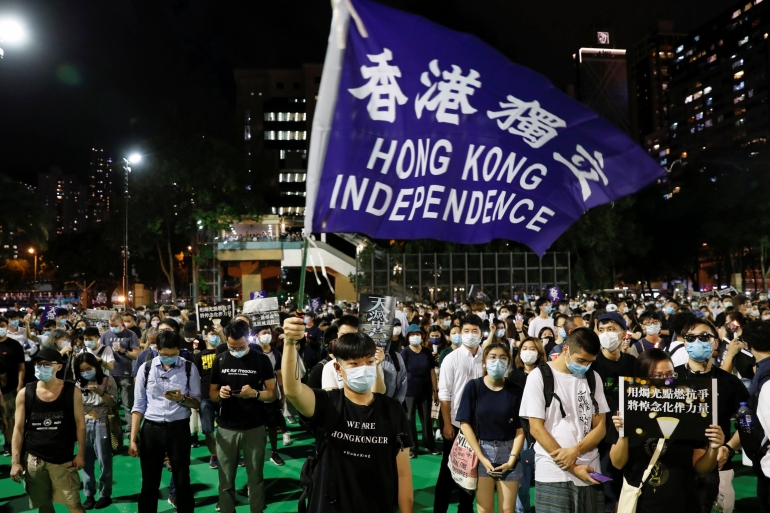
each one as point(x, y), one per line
point(147, 365)
point(550, 395)
point(754, 444)
point(311, 470)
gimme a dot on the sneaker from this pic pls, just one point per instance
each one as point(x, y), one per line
point(287, 439)
point(435, 452)
point(291, 419)
point(194, 442)
point(89, 503)
point(241, 462)
point(412, 455)
point(6, 450)
point(213, 462)
point(438, 435)
point(276, 458)
point(172, 500)
point(217, 507)
point(103, 502)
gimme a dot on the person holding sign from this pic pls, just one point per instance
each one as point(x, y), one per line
point(567, 420)
point(363, 437)
point(671, 482)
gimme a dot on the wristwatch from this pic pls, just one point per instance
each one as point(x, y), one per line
point(257, 397)
point(731, 452)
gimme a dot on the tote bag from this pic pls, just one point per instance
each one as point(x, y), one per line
point(629, 495)
point(464, 464)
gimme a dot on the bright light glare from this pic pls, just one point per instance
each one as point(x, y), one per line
point(31, 250)
point(134, 158)
point(121, 299)
point(11, 31)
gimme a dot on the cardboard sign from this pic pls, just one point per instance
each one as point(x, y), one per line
point(206, 316)
point(98, 318)
point(376, 317)
point(262, 312)
point(675, 409)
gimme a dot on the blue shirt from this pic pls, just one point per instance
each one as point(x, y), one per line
point(494, 414)
point(128, 342)
point(150, 401)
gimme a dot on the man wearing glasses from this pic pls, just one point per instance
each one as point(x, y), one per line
point(700, 340)
point(54, 422)
point(651, 324)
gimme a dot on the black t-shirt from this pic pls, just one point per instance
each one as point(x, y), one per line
point(495, 414)
point(137, 330)
point(11, 355)
point(419, 367)
point(315, 377)
point(731, 391)
point(253, 370)
point(314, 351)
point(609, 371)
point(671, 485)
point(518, 376)
point(221, 348)
point(205, 361)
point(361, 456)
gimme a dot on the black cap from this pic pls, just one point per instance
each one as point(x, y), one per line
point(48, 354)
point(191, 328)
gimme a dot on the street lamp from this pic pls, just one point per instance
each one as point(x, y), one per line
point(11, 31)
point(33, 252)
point(134, 158)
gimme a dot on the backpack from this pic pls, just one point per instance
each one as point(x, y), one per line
point(672, 353)
point(30, 395)
point(148, 361)
point(755, 443)
point(550, 394)
point(311, 470)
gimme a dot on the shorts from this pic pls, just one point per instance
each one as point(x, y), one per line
point(567, 497)
point(208, 415)
point(10, 404)
point(274, 416)
point(499, 452)
point(49, 482)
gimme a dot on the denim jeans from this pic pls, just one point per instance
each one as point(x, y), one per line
point(98, 448)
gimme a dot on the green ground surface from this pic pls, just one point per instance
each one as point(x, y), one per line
point(281, 483)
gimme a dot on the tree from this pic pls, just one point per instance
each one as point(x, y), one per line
point(23, 214)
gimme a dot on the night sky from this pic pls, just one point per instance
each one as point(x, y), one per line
point(108, 73)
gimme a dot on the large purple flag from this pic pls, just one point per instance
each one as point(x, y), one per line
point(423, 132)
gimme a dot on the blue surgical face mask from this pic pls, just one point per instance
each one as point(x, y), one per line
point(14, 324)
point(457, 339)
point(44, 374)
point(64, 344)
point(699, 351)
point(88, 375)
point(61, 321)
point(548, 310)
point(446, 324)
point(214, 340)
point(178, 320)
point(435, 340)
point(669, 310)
point(3, 332)
point(116, 329)
point(496, 368)
point(90, 344)
point(238, 353)
point(576, 368)
point(169, 360)
point(562, 333)
point(361, 379)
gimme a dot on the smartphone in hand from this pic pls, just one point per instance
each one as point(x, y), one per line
point(599, 477)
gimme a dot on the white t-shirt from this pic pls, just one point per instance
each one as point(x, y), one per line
point(538, 323)
point(763, 414)
point(106, 354)
point(567, 431)
point(680, 357)
point(330, 378)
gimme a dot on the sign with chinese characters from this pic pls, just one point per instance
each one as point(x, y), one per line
point(99, 318)
point(217, 314)
point(49, 314)
point(258, 295)
point(554, 294)
point(376, 315)
point(262, 312)
point(676, 409)
point(423, 132)
point(315, 303)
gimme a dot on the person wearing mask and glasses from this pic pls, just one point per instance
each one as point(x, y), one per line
point(651, 324)
point(421, 389)
point(681, 461)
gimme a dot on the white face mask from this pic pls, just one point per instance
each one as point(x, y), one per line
point(415, 340)
point(396, 330)
point(590, 304)
point(503, 316)
point(609, 340)
point(471, 339)
point(652, 329)
point(265, 339)
point(482, 316)
point(529, 356)
point(501, 333)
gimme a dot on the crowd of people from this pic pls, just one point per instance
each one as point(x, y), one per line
point(532, 386)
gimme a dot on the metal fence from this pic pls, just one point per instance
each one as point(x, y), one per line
point(449, 276)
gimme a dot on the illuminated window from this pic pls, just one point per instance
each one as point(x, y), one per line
point(736, 13)
point(699, 115)
point(707, 90)
point(269, 116)
point(709, 123)
point(743, 41)
point(711, 59)
point(738, 87)
point(747, 7)
point(738, 75)
point(679, 49)
point(697, 95)
point(270, 135)
point(247, 116)
point(247, 133)
point(688, 99)
point(739, 99)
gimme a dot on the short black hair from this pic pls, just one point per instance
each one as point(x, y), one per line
point(352, 346)
point(584, 339)
point(12, 314)
point(649, 314)
point(348, 320)
point(237, 330)
point(169, 340)
point(5, 320)
point(757, 335)
point(648, 360)
point(473, 320)
point(46, 324)
point(168, 321)
point(678, 321)
point(329, 336)
point(174, 312)
point(91, 332)
point(541, 301)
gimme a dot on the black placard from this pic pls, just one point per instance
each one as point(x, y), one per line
point(206, 316)
point(376, 316)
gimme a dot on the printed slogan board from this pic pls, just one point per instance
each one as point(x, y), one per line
point(676, 409)
point(218, 314)
point(262, 312)
point(376, 317)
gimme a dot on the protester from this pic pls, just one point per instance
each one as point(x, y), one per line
point(49, 470)
point(12, 363)
point(125, 347)
point(456, 341)
point(313, 351)
point(314, 379)
point(342, 478)
point(275, 421)
point(488, 420)
point(129, 322)
point(204, 361)
point(421, 390)
point(104, 355)
point(569, 430)
point(60, 340)
point(757, 336)
point(543, 309)
point(330, 379)
point(167, 388)
point(651, 324)
point(681, 460)
point(458, 368)
point(242, 380)
point(100, 395)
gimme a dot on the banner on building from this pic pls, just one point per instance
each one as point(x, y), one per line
point(376, 315)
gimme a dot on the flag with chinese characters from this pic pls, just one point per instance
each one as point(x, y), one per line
point(423, 132)
point(49, 314)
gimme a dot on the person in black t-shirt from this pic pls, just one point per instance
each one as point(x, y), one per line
point(314, 377)
point(421, 389)
point(365, 463)
point(314, 351)
point(701, 337)
point(12, 359)
point(242, 380)
point(204, 360)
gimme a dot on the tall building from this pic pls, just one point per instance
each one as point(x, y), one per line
point(99, 187)
point(650, 67)
point(719, 87)
point(64, 195)
point(601, 78)
point(275, 115)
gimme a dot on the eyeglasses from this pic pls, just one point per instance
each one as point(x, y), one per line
point(648, 322)
point(44, 365)
point(668, 375)
point(703, 337)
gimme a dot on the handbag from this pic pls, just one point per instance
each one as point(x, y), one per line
point(464, 464)
point(629, 495)
point(116, 431)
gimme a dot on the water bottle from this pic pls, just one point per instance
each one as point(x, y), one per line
point(719, 504)
point(745, 418)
